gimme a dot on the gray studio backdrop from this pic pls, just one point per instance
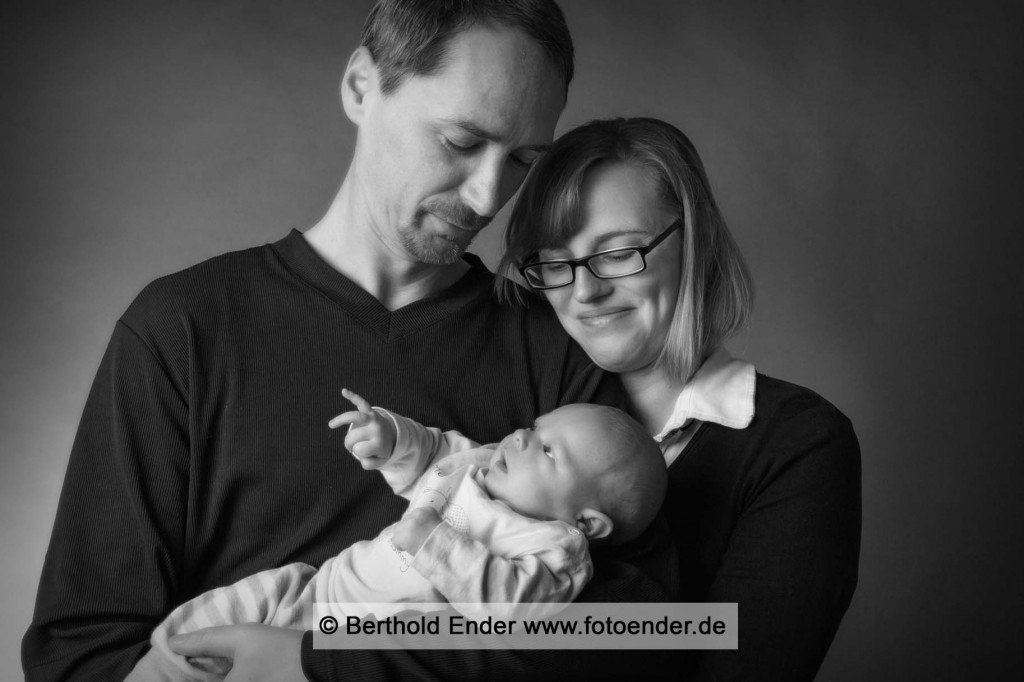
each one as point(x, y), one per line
point(867, 155)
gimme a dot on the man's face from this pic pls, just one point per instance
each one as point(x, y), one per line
point(442, 153)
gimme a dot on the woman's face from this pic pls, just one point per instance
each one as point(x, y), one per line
point(621, 323)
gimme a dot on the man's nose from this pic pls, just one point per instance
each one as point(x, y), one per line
point(588, 288)
point(482, 190)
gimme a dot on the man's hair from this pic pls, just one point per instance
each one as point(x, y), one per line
point(632, 488)
point(409, 37)
point(715, 291)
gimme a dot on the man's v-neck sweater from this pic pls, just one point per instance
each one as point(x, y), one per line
point(204, 454)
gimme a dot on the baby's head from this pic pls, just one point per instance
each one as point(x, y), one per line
point(592, 466)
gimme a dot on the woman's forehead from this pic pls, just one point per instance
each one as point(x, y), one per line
point(615, 199)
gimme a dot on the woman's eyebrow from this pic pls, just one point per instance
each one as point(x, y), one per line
point(609, 236)
point(602, 239)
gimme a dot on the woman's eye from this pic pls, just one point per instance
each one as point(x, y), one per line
point(554, 268)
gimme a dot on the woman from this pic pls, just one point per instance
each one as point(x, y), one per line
point(617, 228)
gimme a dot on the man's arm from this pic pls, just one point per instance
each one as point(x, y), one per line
point(113, 564)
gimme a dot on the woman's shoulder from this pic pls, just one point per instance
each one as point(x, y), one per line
point(790, 422)
point(776, 400)
point(797, 441)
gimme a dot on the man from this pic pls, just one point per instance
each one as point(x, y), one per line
point(204, 454)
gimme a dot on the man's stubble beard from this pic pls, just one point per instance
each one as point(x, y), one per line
point(439, 249)
point(432, 249)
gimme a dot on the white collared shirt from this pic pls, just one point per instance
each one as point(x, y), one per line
point(721, 391)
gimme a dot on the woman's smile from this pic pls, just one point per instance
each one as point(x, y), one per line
point(602, 317)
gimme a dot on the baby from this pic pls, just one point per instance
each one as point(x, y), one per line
point(491, 529)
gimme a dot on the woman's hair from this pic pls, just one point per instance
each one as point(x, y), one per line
point(409, 37)
point(716, 293)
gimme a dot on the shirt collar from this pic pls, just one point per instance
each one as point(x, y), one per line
point(722, 391)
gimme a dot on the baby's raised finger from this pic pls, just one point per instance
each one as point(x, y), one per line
point(358, 401)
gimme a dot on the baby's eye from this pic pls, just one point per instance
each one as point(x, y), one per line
point(547, 451)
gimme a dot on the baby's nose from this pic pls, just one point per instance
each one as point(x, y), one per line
point(520, 439)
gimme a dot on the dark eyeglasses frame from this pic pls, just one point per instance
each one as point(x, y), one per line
point(585, 261)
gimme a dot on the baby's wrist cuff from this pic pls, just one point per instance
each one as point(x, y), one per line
point(394, 424)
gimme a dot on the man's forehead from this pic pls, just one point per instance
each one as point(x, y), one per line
point(522, 54)
point(492, 79)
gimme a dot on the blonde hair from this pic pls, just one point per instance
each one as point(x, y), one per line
point(716, 293)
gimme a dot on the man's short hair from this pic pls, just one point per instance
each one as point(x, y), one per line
point(409, 37)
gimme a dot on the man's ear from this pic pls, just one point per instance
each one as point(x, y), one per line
point(594, 524)
point(360, 79)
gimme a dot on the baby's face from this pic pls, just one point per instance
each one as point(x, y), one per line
point(549, 471)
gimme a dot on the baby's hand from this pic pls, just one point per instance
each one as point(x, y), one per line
point(371, 436)
point(412, 531)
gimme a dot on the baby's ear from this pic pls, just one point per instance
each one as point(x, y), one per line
point(594, 524)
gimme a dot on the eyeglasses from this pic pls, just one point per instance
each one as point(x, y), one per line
point(610, 264)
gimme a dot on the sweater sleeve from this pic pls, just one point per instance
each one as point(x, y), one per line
point(416, 448)
point(791, 562)
point(551, 570)
point(112, 566)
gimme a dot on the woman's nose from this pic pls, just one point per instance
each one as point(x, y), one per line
point(587, 288)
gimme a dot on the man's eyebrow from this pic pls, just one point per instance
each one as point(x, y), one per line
point(477, 131)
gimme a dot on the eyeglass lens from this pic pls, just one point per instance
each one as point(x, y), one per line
point(607, 265)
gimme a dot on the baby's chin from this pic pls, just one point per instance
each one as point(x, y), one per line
point(490, 478)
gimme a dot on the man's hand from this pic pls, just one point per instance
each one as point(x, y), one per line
point(259, 652)
point(371, 436)
point(411, 532)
